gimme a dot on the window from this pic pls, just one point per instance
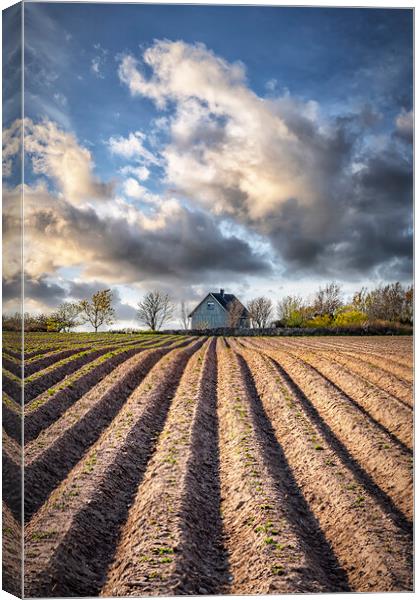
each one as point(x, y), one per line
point(210, 305)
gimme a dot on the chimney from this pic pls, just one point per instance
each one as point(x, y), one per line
point(222, 292)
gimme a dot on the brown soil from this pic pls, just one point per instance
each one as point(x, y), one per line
point(383, 460)
point(173, 530)
point(11, 553)
point(12, 421)
point(237, 466)
point(12, 475)
point(57, 449)
point(265, 515)
point(72, 538)
point(378, 406)
point(373, 551)
point(46, 408)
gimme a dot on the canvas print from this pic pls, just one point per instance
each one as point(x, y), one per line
point(207, 300)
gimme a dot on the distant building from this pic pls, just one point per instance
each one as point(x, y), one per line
point(213, 312)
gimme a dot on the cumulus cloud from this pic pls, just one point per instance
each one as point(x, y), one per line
point(11, 146)
point(108, 238)
point(132, 147)
point(276, 164)
point(58, 155)
point(141, 173)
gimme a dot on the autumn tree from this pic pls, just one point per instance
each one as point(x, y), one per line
point(260, 310)
point(98, 311)
point(235, 313)
point(155, 309)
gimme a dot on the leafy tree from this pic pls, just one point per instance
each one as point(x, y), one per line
point(155, 309)
point(260, 310)
point(290, 311)
point(98, 311)
point(66, 316)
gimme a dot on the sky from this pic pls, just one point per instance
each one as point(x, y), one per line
point(263, 150)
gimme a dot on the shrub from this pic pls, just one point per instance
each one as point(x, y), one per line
point(349, 317)
point(319, 321)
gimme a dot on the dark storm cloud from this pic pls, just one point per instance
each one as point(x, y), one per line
point(366, 227)
point(38, 289)
point(189, 246)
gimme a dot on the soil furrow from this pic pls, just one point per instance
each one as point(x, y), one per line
point(57, 449)
point(51, 376)
point(11, 418)
point(395, 363)
point(12, 475)
point(399, 388)
point(264, 513)
point(388, 466)
point(202, 567)
point(45, 409)
point(13, 366)
point(12, 386)
point(11, 553)
point(33, 366)
point(156, 540)
point(71, 540)
point(396, 387)
point(376, 555)
point(392, 418)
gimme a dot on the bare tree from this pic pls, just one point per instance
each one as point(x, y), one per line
point(155, 309)
point(183, 315)
point(235, 312)
point(260, 310)
point(391, 302)
point(328, 299)
point(98, 311)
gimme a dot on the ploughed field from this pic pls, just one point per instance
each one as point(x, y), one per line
point(164, 464)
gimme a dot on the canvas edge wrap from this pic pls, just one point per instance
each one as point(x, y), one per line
point(12, 215)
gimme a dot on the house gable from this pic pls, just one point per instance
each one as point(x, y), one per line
point(213, 311)
point(210, 297)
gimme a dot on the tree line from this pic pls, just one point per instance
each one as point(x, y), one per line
point(392, 303)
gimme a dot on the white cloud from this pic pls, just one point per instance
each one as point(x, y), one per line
point(141, 173)
point(229, 149)
point(58, 155)
point(12, 144)
point(95, 67)
point(133, 189)
point(274, 164)
point(98, 61)
point(132, 147)
point(271, 85)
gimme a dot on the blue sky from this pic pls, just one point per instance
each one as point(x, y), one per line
point(263, 150)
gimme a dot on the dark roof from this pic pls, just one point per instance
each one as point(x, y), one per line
point(224, 300)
